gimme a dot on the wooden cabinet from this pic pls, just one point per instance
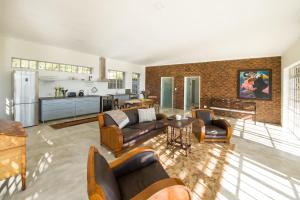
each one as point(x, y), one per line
point(52, 109)
point(12, 150)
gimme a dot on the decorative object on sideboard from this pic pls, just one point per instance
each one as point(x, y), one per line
point(71, 94)
point(64, 92)
point(255, 84)
point(94, 90)
point(81, 93)
point(145, 94)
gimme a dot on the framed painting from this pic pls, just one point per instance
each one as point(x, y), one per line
point(255, 84)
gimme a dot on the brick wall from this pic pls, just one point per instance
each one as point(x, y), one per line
point(219, 79)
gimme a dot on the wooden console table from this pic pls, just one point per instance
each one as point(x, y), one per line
point(233, 106)
point(12, 150)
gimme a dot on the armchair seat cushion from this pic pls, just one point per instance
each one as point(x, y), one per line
point(212, 130)
point(133, 183)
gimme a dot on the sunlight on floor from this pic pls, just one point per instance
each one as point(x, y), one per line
point(269, 135)
point(244, 178)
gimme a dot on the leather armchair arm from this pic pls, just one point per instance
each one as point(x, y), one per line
point(198, 127)
point(112, 137)
point(161, 116)
point(133, 160)
point(170, 188)
point(199, 124)
point(222, 123)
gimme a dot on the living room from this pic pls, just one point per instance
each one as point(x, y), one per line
point(149, 99)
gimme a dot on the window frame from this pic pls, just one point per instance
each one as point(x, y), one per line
point(22, 63)
point(116, 79)
point(135, 82)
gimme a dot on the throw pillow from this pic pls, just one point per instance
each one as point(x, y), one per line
point(146, 115)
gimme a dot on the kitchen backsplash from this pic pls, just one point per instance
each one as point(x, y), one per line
point(46, 88)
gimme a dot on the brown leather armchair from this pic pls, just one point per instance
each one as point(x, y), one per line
point(208, 128)
point(137, 175)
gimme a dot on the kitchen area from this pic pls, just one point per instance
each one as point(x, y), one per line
point(40, 97)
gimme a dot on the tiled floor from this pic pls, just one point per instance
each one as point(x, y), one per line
point(263, 165)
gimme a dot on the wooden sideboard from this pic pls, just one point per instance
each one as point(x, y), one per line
point(12, 150)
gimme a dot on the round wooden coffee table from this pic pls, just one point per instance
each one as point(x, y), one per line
point(179, 134)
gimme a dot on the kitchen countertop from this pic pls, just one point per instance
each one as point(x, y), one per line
point(52, 98)
point(121, 94)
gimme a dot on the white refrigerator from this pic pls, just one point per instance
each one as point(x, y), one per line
point(26, 100)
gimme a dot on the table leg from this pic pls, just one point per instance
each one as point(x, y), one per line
point(23, 168)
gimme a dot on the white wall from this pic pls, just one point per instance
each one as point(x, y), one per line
point(290, 58)
point(12, 47)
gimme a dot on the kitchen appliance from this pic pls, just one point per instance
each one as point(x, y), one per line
point(106, 103)
point(71, 94)
point(25, 97)
point(81, 93)
point(64, 92)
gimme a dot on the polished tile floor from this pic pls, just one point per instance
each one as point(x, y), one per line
point(263, 165)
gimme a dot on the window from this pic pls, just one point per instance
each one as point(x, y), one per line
point(135, 83)
point(49, 66)
point(294, 100)
point(116, 79)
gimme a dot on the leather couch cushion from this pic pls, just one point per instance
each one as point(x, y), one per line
point(105, 178)
point(145, 126)
point(205, 116)
point(108, 121)
point(214, 130)
point(133, 183)
point(133, 116)
point(160, 124)
point(131, 133)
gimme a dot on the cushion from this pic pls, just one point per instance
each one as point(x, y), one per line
point(119, 117)
point(104, 176)
point(205, 116)
point(133, 183)
point(214, 130)
point(131, 133)
point(146, 115)
point(133, 116)
point(145, 126)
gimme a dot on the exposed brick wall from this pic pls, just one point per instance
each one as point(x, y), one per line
point(219, 79)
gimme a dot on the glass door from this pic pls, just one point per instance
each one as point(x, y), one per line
point(191, 92)
point(167, 86)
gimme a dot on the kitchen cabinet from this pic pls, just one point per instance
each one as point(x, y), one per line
point(58, 108)
point(87, 105)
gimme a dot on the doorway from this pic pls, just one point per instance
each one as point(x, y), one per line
point(191, 92)
point(167, 87)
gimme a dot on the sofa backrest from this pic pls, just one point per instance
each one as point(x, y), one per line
point(132, 114)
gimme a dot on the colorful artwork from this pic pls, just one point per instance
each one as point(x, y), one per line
point(255, 84)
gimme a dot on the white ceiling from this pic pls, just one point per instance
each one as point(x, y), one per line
point(152, 32)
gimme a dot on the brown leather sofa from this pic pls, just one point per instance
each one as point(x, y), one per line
point(134, 133)
point(208, 128)
point(137, 175)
